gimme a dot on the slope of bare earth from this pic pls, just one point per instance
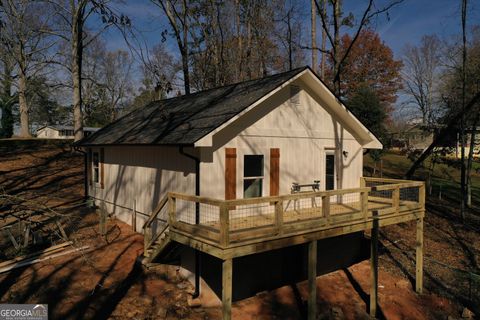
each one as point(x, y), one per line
point(105, 281)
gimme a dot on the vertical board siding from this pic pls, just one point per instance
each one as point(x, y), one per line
point(144, 175)
point(303, 132)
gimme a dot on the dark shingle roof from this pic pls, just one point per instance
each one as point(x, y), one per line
point(186, 119)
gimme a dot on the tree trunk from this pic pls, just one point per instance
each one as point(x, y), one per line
point(23, 106)
point(324, 43)
point(7, 101)
point(470, 161)
point(186, 73)
point(239, 42)
point(336, 46)
point(314, 35)
point(462, 135)
point(77, 52)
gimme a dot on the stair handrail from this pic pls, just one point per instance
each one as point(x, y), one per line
point(148, 237)
point(155, 212)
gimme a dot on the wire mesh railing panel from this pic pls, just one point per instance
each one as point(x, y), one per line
point(302, 208)
point(252, 216)
point(209, 214)
point(197, 213)
point(410, 194)
point(345, 203)
point(185, 211)
point(385, 194)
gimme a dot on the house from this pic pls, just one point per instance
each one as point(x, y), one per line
point(247, 177)
point(61, 132)
point(415, 137)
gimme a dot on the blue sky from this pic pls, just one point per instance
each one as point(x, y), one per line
point(407, 22)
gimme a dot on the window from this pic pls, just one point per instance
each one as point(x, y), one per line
point(252, 176)
point(95, 168)
point(329, 171)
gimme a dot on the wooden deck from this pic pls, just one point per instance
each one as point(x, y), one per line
point(228, 229)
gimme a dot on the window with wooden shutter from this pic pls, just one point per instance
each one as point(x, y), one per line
point(230, 173)
point(274, 171)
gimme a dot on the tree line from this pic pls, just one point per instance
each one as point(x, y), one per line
point(55, 66)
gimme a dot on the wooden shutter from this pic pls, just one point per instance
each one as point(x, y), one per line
point(89, 166)
point(102, 168)
point(274, 171)
point(230, 173)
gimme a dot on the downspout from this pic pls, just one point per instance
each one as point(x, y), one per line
point(197, 218)
point(85, 172)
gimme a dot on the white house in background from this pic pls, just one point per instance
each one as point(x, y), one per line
point(61, 132)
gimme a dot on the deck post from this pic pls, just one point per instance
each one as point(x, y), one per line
point(374, 268)
point(103, 219)
point(364, 203)
point(224, 225)
point(312, 280)
point(227, 289)
point(326, 207)
point(279, 216)
point(363, 183)
point(396, 198)
point(419, 258)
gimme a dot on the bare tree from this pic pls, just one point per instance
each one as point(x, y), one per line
point(117, 80)
point(336, 20)
point(73, 16)
point(420, 75)
point(21, 23)
point(178, 18)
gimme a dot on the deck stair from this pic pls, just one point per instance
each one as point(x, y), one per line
point(157, 242)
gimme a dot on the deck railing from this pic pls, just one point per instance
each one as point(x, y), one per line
point(229, 222)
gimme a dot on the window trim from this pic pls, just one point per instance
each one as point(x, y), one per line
point(261, 178)
point(333, 152)
point(97, 167)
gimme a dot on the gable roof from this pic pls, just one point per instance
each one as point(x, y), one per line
point(193, 119)
point(184, 120)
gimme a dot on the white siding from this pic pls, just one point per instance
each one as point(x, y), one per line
point(303, 132)
point(144, 175)
point(49, 133)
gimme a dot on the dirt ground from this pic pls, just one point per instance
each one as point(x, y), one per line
point(106, 282)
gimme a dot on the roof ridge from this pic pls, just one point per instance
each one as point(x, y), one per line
point(296, 70)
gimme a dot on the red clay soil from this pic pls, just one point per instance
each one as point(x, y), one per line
point(106, 282)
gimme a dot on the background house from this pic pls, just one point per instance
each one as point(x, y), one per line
point(61, 132)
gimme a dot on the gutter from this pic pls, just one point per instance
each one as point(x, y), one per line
point(197, 218)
